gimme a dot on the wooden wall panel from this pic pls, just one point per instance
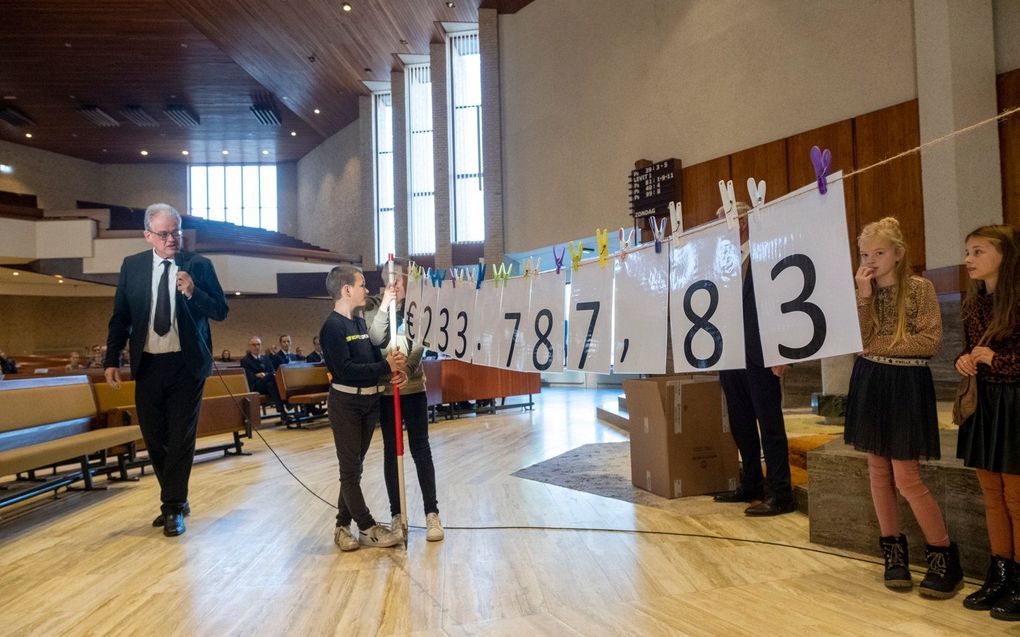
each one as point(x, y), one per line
point(766, 162)
point(839, 139)
point(1008, 88)
point(700, 183)
point(895, 188)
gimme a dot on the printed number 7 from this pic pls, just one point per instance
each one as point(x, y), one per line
point(516, 318)
point(593, 307)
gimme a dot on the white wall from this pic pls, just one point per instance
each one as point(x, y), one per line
point(56, 180)
point(589, 87)
point(1007, 35)
point(138, 185)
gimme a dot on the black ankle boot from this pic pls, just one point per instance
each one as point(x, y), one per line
point(996, 584)
point(944, 574)
point(1007, 607)
point(897, 560)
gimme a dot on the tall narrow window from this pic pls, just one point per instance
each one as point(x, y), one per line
point(466, 109)
point(420, 169)
point(242, 195)
point(382, 119)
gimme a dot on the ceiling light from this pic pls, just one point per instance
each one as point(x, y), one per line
point(138, 116)
point(237, 294)
point(293, 133)
point(98, 116)
point(226, 152)
point(6, 169)
point(182, 116)
point(60, 280)
point(14, 117)
point(67, 44)
point(10, 97)
point(59, 276)
point(451, 4)
point(16, 273)
point(265, 152)
point(145, 153)
point(184, 152)
point(316, 111)
point(346, 7)
point(28, 135)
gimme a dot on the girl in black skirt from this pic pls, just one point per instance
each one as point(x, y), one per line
point(990, 439)
point(891, 413)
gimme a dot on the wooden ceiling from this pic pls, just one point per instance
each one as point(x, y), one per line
point(213, 56)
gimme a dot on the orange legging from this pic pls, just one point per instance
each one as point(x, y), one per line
point(888, 475)
point(1001, 492)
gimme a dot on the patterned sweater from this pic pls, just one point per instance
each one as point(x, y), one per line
point(924, 321)
point(1005, 367)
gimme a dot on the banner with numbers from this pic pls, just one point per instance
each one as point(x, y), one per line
point(641, 289)
point(463, 338)
point(489, 324)
point(589, 333)
point(545, 320)
point(427, 315)
point(706, 301)
point(515, 342)
point(412, 308)
point(803, 281)
point(445, 299)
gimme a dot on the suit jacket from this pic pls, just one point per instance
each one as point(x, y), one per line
point(133, 301)
point(262, 364)
point(314, 357)
point(752, 335)
point(282, 358)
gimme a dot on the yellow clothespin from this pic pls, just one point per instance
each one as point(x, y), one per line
point(413, 270)
point(528, 265)
point(501, 273)
point(575, 256)
point(625, 239)
point(602, 237)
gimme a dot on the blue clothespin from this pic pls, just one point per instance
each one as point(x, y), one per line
point(438, 276)
point(558, 258)
point(821, 160)
point(658, 231)
point(481, 273)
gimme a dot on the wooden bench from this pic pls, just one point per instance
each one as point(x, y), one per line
point(49, 422)
point(450, 382)
point(228, 406)
point(303, 385)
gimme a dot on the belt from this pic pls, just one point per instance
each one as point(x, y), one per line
point(890, 360)
point(362, 391)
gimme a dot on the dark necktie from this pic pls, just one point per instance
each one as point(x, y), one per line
point(162, 321)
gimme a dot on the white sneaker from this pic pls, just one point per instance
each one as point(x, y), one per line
point(397, 524)
point(342, 537)
point(380, 536)
point(433, 528)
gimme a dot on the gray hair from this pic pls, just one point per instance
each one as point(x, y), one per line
point(160, 209)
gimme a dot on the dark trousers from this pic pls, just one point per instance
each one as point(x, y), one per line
point(353, 419)
point(414, 412)
point(754, 399)
point(267, 387)
point(168, 398)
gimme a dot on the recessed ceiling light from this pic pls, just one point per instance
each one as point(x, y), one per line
point(59, 276)
point(226, 152)
point(316, 111)
point(16, 273)
point(184, 45)
point(14, 97)
point(6, 169)
point(184, 152)
point(451, 4)
point(265, 152)
point(293, 133)
point(28, 135)
point(67, 44)
point(346, 6)
point(237, 294)
point(285, 98)
point(60, 281)
point(145, 153)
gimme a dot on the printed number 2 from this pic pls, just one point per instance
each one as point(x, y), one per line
point(800, 304)
point(593, 307)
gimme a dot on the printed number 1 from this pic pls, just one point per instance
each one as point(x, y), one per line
point(593, 307)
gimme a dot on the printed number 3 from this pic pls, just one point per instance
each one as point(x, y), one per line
point(800, 304)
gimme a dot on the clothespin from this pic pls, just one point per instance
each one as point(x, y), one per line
point(501, 273)
point(532, 267)
point(676, 215)
point(575, 257)
point(438, 276)
point(625, 239)
point(729, 202)
point(481, 273)
point(658, 232)
point(821, 160)
point(414, 270)
point(756, 191)
point(558, 258)
point(602, 237)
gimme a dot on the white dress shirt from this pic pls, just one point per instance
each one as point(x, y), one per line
point(171, 341)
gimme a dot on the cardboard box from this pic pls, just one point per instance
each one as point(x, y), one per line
point(680, 441)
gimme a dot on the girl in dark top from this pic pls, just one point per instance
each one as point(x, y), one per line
point(990, 439)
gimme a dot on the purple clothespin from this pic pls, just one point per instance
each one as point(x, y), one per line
point(821, 159)
point(559, 258)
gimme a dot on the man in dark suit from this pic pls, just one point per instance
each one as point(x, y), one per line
point(165, 298)
point(261, 375)
point(285, 356)
point(754, 400)
point(316, 356)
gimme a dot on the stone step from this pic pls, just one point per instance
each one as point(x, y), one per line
point(618, 418)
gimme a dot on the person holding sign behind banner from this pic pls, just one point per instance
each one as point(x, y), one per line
point(414, 411)
point(754, 399)
point(891, 413)
point(989, 440)
point(354, 393)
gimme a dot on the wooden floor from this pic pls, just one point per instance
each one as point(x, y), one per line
point(258, 556)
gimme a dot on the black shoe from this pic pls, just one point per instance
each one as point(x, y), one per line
point(995, 587)
point(174, 524)
point(772, 506)
point(1007, 608)
point(740, 494)
point(944, 574)
point(161, 519)
point(897, 560)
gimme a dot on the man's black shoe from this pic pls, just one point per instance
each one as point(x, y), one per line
point(772, 506)
point(161, 519)
point(738, 495)
point(174, 524)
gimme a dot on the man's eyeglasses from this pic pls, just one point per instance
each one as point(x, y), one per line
point(165, 236)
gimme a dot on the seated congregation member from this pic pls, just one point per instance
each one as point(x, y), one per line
point(315, 356)
point(75, 364)
point(891, 413)
point(754, 399)
point(299, 353)
point(96, 362)
point(225, 356)
point(261, 375)
point(7, 365)
point(356, 366)
point(284, 355)
point(414, 414)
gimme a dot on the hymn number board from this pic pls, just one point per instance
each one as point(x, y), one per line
point(652, 188)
